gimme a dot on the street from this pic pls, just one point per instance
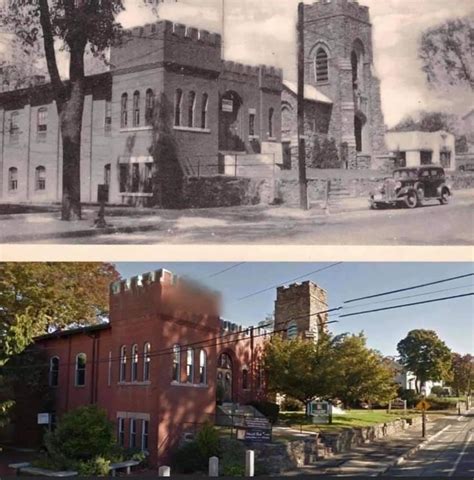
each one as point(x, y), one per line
point(431, 224)
point(450, 454)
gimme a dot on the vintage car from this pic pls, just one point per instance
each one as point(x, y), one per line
point(410, 187)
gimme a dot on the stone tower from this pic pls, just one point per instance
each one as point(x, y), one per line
point(296, 310)
point(339, 63)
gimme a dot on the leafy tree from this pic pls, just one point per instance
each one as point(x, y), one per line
point(324, 154)
point(427, 121)
point(462, 369)
point(77, 25)
point(446, 52)
point(363, 375)
point(424, 354)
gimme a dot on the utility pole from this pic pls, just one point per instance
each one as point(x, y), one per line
point(223, 27)
point(301, 141)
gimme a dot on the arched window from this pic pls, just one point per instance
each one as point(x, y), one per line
point(292, 331)
point(177, 107)
point(40, 178)
point(190, 365)
point(270, 122)
point(123, 364)
point(13, 178)
point(134, 373)
point(202, 367)
point(245, 379)
point(146, 362)
point(54, 371)
point(176, 363)
point(136, 109)
point(124, 111)
point(322, 65)
point(204, 105)
point(14, 127)
point(149, 107)
point(81, 359)
point(191, 107)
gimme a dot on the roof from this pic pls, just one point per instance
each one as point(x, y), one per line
point(74, 331)
point(310, 93)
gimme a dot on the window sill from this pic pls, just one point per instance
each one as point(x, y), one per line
point(132, 384)
point(254, 137)
point(192, 129)
point(191, 385)
point(136, 129)
point(136, 194)
point(325, 82)
point(272, 139)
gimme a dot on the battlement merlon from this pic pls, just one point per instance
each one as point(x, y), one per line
point(329, 8)
point(268, 77)
point(289, 292)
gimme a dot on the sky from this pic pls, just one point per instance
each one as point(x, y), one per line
point(263, 31)
point(453, 320)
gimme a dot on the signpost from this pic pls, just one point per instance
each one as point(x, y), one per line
point(255, 429)
point(321, 412)
point(423, 405)
point(102, 197)
point(43, 418)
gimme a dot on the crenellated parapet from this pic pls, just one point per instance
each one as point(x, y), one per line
point(329, 8)
point(267, 77)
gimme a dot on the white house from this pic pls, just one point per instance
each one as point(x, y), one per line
point(416, 148)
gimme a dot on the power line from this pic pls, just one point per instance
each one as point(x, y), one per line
point(226, 269)
point(411, 288)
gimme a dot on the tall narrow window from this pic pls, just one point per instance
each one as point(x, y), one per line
point(148, 180)
point(202, 367)
point(107, 174)
point(54, 371)
point(42, 123)
point(177, 107)
point(13, 179)
point(145, 428)
point(124, 111)
point(133, 433)
point(121, 431)
point(136, 109)
point(322, 65)
point(191, 107)
point(40, 178)
point(204, 105)
point(245, 379)
point(108, 117)
point(149, 107)
point(176, 363)
point(109, 373)
point(252, 124)
point(190, 365)
point(135, 177)
point(270, 122)
point(81, 369)
point(14, 128)
point(124, 177)
point(146, 362)
point(123, 363)
point(134, 363)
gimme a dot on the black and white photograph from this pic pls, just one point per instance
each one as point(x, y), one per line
point(333, 122)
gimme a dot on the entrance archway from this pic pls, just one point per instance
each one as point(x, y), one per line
point(230, 122)
point(224, 378)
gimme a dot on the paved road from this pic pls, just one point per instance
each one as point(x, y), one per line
point(433, 224)
point(450, 454)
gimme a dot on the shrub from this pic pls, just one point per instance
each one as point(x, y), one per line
point(98, 466)
point(189, 459)
point(438, 391)
point(440, 403)
point(269, 409)
point(410, 396)
point(292, 405)
point(208, 440)
point(232, 458)
point(82, 434)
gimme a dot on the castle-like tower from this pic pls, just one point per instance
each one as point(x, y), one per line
point(339, 63)
point(298, 310)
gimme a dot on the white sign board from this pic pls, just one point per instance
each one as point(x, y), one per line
point(227, 105)
point(43, 418)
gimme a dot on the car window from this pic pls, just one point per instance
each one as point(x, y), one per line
point(425, 173)
point(435, 173)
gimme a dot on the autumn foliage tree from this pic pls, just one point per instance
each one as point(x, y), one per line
point(75, 26)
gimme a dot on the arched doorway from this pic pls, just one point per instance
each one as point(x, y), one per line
point(224, 378)
point(230, 122)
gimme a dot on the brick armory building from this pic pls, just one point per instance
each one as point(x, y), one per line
point(164, 360)
point(170, 108)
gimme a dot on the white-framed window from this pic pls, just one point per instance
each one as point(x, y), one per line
point(178, 100)
point(40, 178)
point(292, 330)
point(124, 111)
point(81, 360)
point(108, 117)
point(149, 107)
point(107, 173)
point(42, 123)
point(54, 371)
point(176, 363)
point(123, 364)
point(146, 362)
point(204, 107)
point(134, 373)
point(145, 433)
point(121, 431)
point(191, 108)
point(202, 367)
point(14, 128)
point(12, 179)
point(321, 65)
point(190, 365)
point(133, 433)
point(136, 109)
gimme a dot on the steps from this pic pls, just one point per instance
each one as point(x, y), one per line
point(230, 414)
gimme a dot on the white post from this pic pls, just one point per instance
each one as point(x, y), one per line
point(214, 467)
point(249, 463)
point(164, 471)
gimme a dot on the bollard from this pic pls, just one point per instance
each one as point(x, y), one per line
point(249, 463)
point(164, 471)
point(214, 467)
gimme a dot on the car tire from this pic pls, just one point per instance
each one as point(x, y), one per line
point(444, 200)
point(411, 200)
